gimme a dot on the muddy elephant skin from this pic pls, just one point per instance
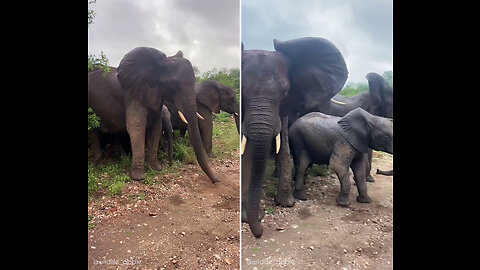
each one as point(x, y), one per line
point(341, 143)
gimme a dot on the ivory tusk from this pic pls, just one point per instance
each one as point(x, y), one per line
point(200, 116)
point(277, 140)
point(244, 143)
point(338, 102)
point(236, 114)
point(182, 117)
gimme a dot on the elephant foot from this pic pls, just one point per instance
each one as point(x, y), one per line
point(343, 201)
point(285, 198)
point(364, 199)
point(155, 164)
point(370, 178)
point(137, 174)
point(300, 194)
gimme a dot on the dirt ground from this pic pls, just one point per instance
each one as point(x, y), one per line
point(318, 234)
point(186, 223)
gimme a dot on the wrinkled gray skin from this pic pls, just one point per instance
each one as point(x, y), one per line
point(377, 101)
point(120, 142)
point(298, 76)
point(130, 99)
point(341, 143)
point(167, 134)
point(211, 97)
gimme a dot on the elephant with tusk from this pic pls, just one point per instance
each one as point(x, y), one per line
point(130, 98)
point(295, 78)
point(211, 97)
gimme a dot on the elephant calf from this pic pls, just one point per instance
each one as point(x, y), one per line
point(342, 143)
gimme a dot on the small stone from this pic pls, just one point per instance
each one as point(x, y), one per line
point(92, 247)
point(311, 247)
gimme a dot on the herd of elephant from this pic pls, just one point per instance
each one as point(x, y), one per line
point(290, 108)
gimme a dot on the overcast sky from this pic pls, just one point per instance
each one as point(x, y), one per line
point(361, 30)
point(207, 31)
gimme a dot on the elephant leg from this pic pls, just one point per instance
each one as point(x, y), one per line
point(358, 167)
point(301, 166)
point(182, 133)
point(340, 165)
point(369, 167)
point(95, 145)
point(154, 133)
point(206, 129)
point(136, 117)
point(284, 189)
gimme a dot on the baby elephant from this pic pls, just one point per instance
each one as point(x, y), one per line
point(342, 143)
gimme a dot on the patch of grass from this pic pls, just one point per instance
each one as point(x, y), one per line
point(318, 170)
point(109, 178)
point(269, 209)
point(226, 140)
point(90, 224)
point(270, 183)
point(183, 150)
point(116, 188)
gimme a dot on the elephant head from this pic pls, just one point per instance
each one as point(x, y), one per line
point(381, 95)
point(151, 77)
point(217, 96)
point(300, 75)
point(364, 130)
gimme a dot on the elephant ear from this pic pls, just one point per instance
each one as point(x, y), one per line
point(379, 89)
point(317, 71)
point(355, 127)
point(207, 93)
point(139, 72)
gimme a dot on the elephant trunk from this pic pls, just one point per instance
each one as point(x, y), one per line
point(190, 107)
point(169, 130)
point(261, 149)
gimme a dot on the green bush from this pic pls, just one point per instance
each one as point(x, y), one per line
point(183, 150)
point(93, 119)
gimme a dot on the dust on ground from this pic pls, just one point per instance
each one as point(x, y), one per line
point(318, 234)
point(185, 223)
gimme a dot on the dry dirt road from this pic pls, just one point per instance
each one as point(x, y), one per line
point(318, 234)
point(186, 223)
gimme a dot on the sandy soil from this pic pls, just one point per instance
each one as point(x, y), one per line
point(186, 223)
point(318, 234)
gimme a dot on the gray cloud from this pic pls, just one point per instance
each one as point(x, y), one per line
point(362, 30)
point(206, 31)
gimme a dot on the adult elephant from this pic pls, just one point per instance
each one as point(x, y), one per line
point(300, 75)
point(211, 96)
point(131, 97)
point(378, 100)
